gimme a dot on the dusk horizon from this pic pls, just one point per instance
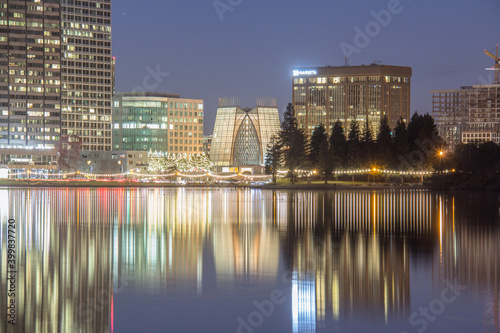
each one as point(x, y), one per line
point(251, 52)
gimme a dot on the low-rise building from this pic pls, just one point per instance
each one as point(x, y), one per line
point(114, 162)
point(144, 121)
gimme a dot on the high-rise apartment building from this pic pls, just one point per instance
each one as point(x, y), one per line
point(30, 83)
point(144, 121)
point(87, 72)
point(324, 95)
point(55, 78)
point(449, 108)
point(467, 115)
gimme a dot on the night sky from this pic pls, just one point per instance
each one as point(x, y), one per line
point(252, 50)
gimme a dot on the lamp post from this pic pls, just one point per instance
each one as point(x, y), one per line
point(441, 155)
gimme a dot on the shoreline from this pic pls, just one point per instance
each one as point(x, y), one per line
point(130, 184)
point(333, 186)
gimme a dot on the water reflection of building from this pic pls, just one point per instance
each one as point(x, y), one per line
point(391, 212)
point(245, 244)
point(470, 253)
point(159, 238)
point(353, 274)
point(347, 253)
point(64, 273)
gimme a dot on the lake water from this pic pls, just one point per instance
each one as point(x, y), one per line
point(242, 260)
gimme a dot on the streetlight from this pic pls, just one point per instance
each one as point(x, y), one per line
point(441, 155)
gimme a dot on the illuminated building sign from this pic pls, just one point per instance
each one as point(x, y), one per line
point(299, 72)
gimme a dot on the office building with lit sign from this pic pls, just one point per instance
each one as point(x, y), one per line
point(324, 95)
point(241, 135)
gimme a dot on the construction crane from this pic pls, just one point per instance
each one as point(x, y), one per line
point(496, 67)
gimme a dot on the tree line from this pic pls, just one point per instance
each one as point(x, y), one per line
point(476, 165)
point(407, 147)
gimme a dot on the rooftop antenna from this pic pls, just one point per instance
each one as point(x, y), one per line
point(496, 67)
point(347, 61)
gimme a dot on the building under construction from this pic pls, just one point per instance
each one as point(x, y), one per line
point(469, 114)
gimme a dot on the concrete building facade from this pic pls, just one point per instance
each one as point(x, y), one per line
point(87, 72)
point(323, 95)
point(55, 79)
point(30, 83)
point(467, 115)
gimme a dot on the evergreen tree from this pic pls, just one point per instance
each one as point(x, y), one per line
point(423, 141)
point(274, 157)
point(400, 148)
point(288, 126)
point(383, 144)
point(354, 146)
point(319, 138)
point(325, 167)
point(293, 142)
point(367, 145)
point(338, 146)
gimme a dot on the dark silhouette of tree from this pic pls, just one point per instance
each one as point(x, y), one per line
point(384, 143)
point(367, 145)
point(274, 157)
point(400, 149)
point(293, 142)
point(325, 167)
point(354, 146)
point(289, 125)
point(338, 147)
point(319, 138)
point(423, 141)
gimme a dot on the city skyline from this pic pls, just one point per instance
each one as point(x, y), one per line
point(443, 43)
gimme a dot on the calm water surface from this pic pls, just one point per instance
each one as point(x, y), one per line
point(224, 260)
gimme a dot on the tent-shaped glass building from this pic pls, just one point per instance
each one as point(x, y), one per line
point(241, 135)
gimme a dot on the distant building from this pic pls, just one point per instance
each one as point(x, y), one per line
point(113, 162)
point(207, 144)
point(241, 136)
point(449, 109)
point(470, 114)
point(157, 122)
point(323, 95)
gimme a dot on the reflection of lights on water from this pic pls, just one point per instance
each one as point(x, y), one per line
point(303, 303)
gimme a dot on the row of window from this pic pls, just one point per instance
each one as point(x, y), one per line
point(324, 80)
